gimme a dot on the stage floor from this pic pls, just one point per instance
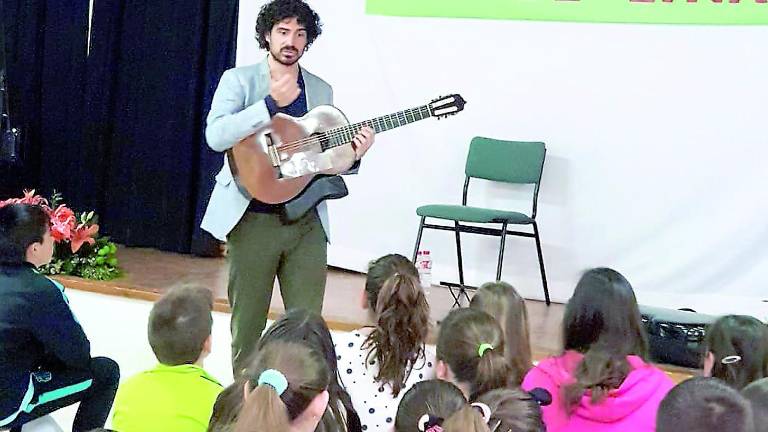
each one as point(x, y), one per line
point(149, 272)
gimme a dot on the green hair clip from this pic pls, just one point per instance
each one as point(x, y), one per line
point(483, 348)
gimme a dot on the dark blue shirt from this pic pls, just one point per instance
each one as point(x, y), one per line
point(297, 108)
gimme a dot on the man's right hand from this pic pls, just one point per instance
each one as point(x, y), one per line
point(284, 90)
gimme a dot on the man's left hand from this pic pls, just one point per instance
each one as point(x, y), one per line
point(362, 141)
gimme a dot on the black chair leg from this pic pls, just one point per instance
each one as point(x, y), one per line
point(462, 289)
point(418, 239)
point(501, 250)
point(541, 263)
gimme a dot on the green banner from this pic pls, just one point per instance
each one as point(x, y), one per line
point(615, 11)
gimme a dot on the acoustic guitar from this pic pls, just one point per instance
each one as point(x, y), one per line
point(281, 162)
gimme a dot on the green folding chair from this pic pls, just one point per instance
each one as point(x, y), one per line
point(514, 162)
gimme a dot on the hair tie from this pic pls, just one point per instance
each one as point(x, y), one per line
point(484, 409)
point(275, 379)
point(483, 348)
point(730, 359)
point(430, 423)
point(542, 396)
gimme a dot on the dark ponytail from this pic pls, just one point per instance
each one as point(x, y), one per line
point(602, 321)
point(402, 312)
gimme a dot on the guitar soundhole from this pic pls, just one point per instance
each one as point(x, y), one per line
point(323, 139)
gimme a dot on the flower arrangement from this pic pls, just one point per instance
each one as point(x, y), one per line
point(79, 250)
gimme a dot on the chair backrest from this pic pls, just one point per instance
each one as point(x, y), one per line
point(505, 161)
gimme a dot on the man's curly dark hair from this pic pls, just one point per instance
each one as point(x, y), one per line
point(278, 10)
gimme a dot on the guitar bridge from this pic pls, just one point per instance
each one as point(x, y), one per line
point(274, 157)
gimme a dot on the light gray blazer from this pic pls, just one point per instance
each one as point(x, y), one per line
point(237, 111)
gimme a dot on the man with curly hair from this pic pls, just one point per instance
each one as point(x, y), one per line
point(261, 244)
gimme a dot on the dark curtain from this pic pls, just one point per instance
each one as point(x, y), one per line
point(120, 129)
point(46, 44)
point(152, 71)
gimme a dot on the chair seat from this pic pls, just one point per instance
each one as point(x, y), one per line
point(472, 214)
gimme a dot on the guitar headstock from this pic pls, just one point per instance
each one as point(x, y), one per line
point(446, 105)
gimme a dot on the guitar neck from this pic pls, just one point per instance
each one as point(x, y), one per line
point(344, 134)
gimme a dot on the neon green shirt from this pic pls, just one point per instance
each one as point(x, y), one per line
point(166, 399)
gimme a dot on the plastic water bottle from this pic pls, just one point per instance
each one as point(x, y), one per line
point(424, 266)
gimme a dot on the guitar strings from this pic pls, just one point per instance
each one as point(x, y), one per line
point(343, 131)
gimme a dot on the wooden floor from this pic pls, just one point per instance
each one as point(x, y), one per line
point(148, 273)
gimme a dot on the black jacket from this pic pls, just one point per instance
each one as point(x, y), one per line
point(37, 330)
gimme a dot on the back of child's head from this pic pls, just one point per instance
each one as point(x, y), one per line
point(21, 225)
point(502, 301)
point(467, 419)
point(309, 328)
point(757, 395)
point(395, 294)
point(227, 407)
point(703, 405)
point(471, 343)
point(283, 381)
point(739, 347)
point(602, 321)
point(515, 410)
point(179, 324)
point(427, 405)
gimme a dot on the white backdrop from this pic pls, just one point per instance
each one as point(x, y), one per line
point(655, 134)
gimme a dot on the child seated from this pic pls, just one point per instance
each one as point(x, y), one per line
point(501, 301)
point(470, 353)
point(757, 395)
point(426, 405)
point(45, 355)
point(378, 364)
point(703, 405)
point(178, 394)
point(286, 389)
point(309, 328)
point(737, 350)
point(603, 381)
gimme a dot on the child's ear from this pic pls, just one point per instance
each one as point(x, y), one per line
point(208, 344)
point(709, 364)
point(364, 300)
point(32, 251)
point(441, 370)
point(318, 405)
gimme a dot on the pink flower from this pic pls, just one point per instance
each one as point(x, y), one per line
point(31, 198)
point(83, 234)
point(61, 231)
point(28, 198)
point(63, 215)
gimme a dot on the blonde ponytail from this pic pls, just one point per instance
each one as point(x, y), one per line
point(263, 411)
point(467, 419)
point(285, 377)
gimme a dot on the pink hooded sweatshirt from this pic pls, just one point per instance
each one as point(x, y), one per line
point(630, 408)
